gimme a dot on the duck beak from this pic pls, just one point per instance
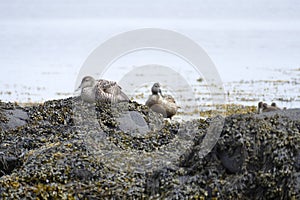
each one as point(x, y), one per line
point(78, 88)
point(160, 92)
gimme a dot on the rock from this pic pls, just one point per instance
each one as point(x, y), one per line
point(233, 161)
point(70, 149)
point(14, 118)
point(82, 174)
point(8, 164)
point(133, 123)
point(292, 114)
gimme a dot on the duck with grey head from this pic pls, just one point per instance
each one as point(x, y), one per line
point(159, 103)
point(101, 90)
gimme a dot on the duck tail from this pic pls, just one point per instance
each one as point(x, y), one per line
point(123, 97)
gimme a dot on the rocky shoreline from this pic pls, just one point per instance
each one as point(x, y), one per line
point(67, 149)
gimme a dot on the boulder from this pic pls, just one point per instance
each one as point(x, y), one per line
point(70, 149)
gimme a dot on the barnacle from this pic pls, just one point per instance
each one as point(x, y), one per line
point(73, 150)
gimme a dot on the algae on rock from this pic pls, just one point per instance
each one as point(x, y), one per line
point(68, 149)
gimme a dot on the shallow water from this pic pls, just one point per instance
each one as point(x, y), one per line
point(258, 60)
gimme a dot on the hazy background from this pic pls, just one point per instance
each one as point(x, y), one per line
point(255, 45)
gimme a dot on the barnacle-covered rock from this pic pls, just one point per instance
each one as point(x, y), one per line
point(68, 149)
point(12, 116)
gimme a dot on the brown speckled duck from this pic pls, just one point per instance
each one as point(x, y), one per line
point(101, 90)
point(159, 103)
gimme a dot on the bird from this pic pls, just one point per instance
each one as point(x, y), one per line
point(154, 98)
point(101, 90)
point(264, 107)
point(273, 104)
point(159, 103)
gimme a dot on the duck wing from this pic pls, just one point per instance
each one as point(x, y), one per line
point(158, 108)
point(110, 91)
point(170, 106)
point(164, 105)
point(152, 100)
point(270, 109)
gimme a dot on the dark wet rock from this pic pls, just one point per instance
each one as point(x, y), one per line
point(82, 174)
point(161, 180)
point(8, 164)
point(232, 161)
point(292, 114)
point(256, 157)
point(133, 123)
point(70, 149)
point(297, 160)
point(12, 117)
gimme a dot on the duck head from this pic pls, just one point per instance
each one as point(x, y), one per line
point(87, 81)
point(260, 107)
point(156, 89)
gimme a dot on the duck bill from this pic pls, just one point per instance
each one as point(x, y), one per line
point(78, 88)
point(160, 92)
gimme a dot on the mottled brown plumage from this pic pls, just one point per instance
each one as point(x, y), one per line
point(101, 90)
point(164, 105)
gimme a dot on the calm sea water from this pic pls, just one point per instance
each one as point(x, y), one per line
point(254, 45)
